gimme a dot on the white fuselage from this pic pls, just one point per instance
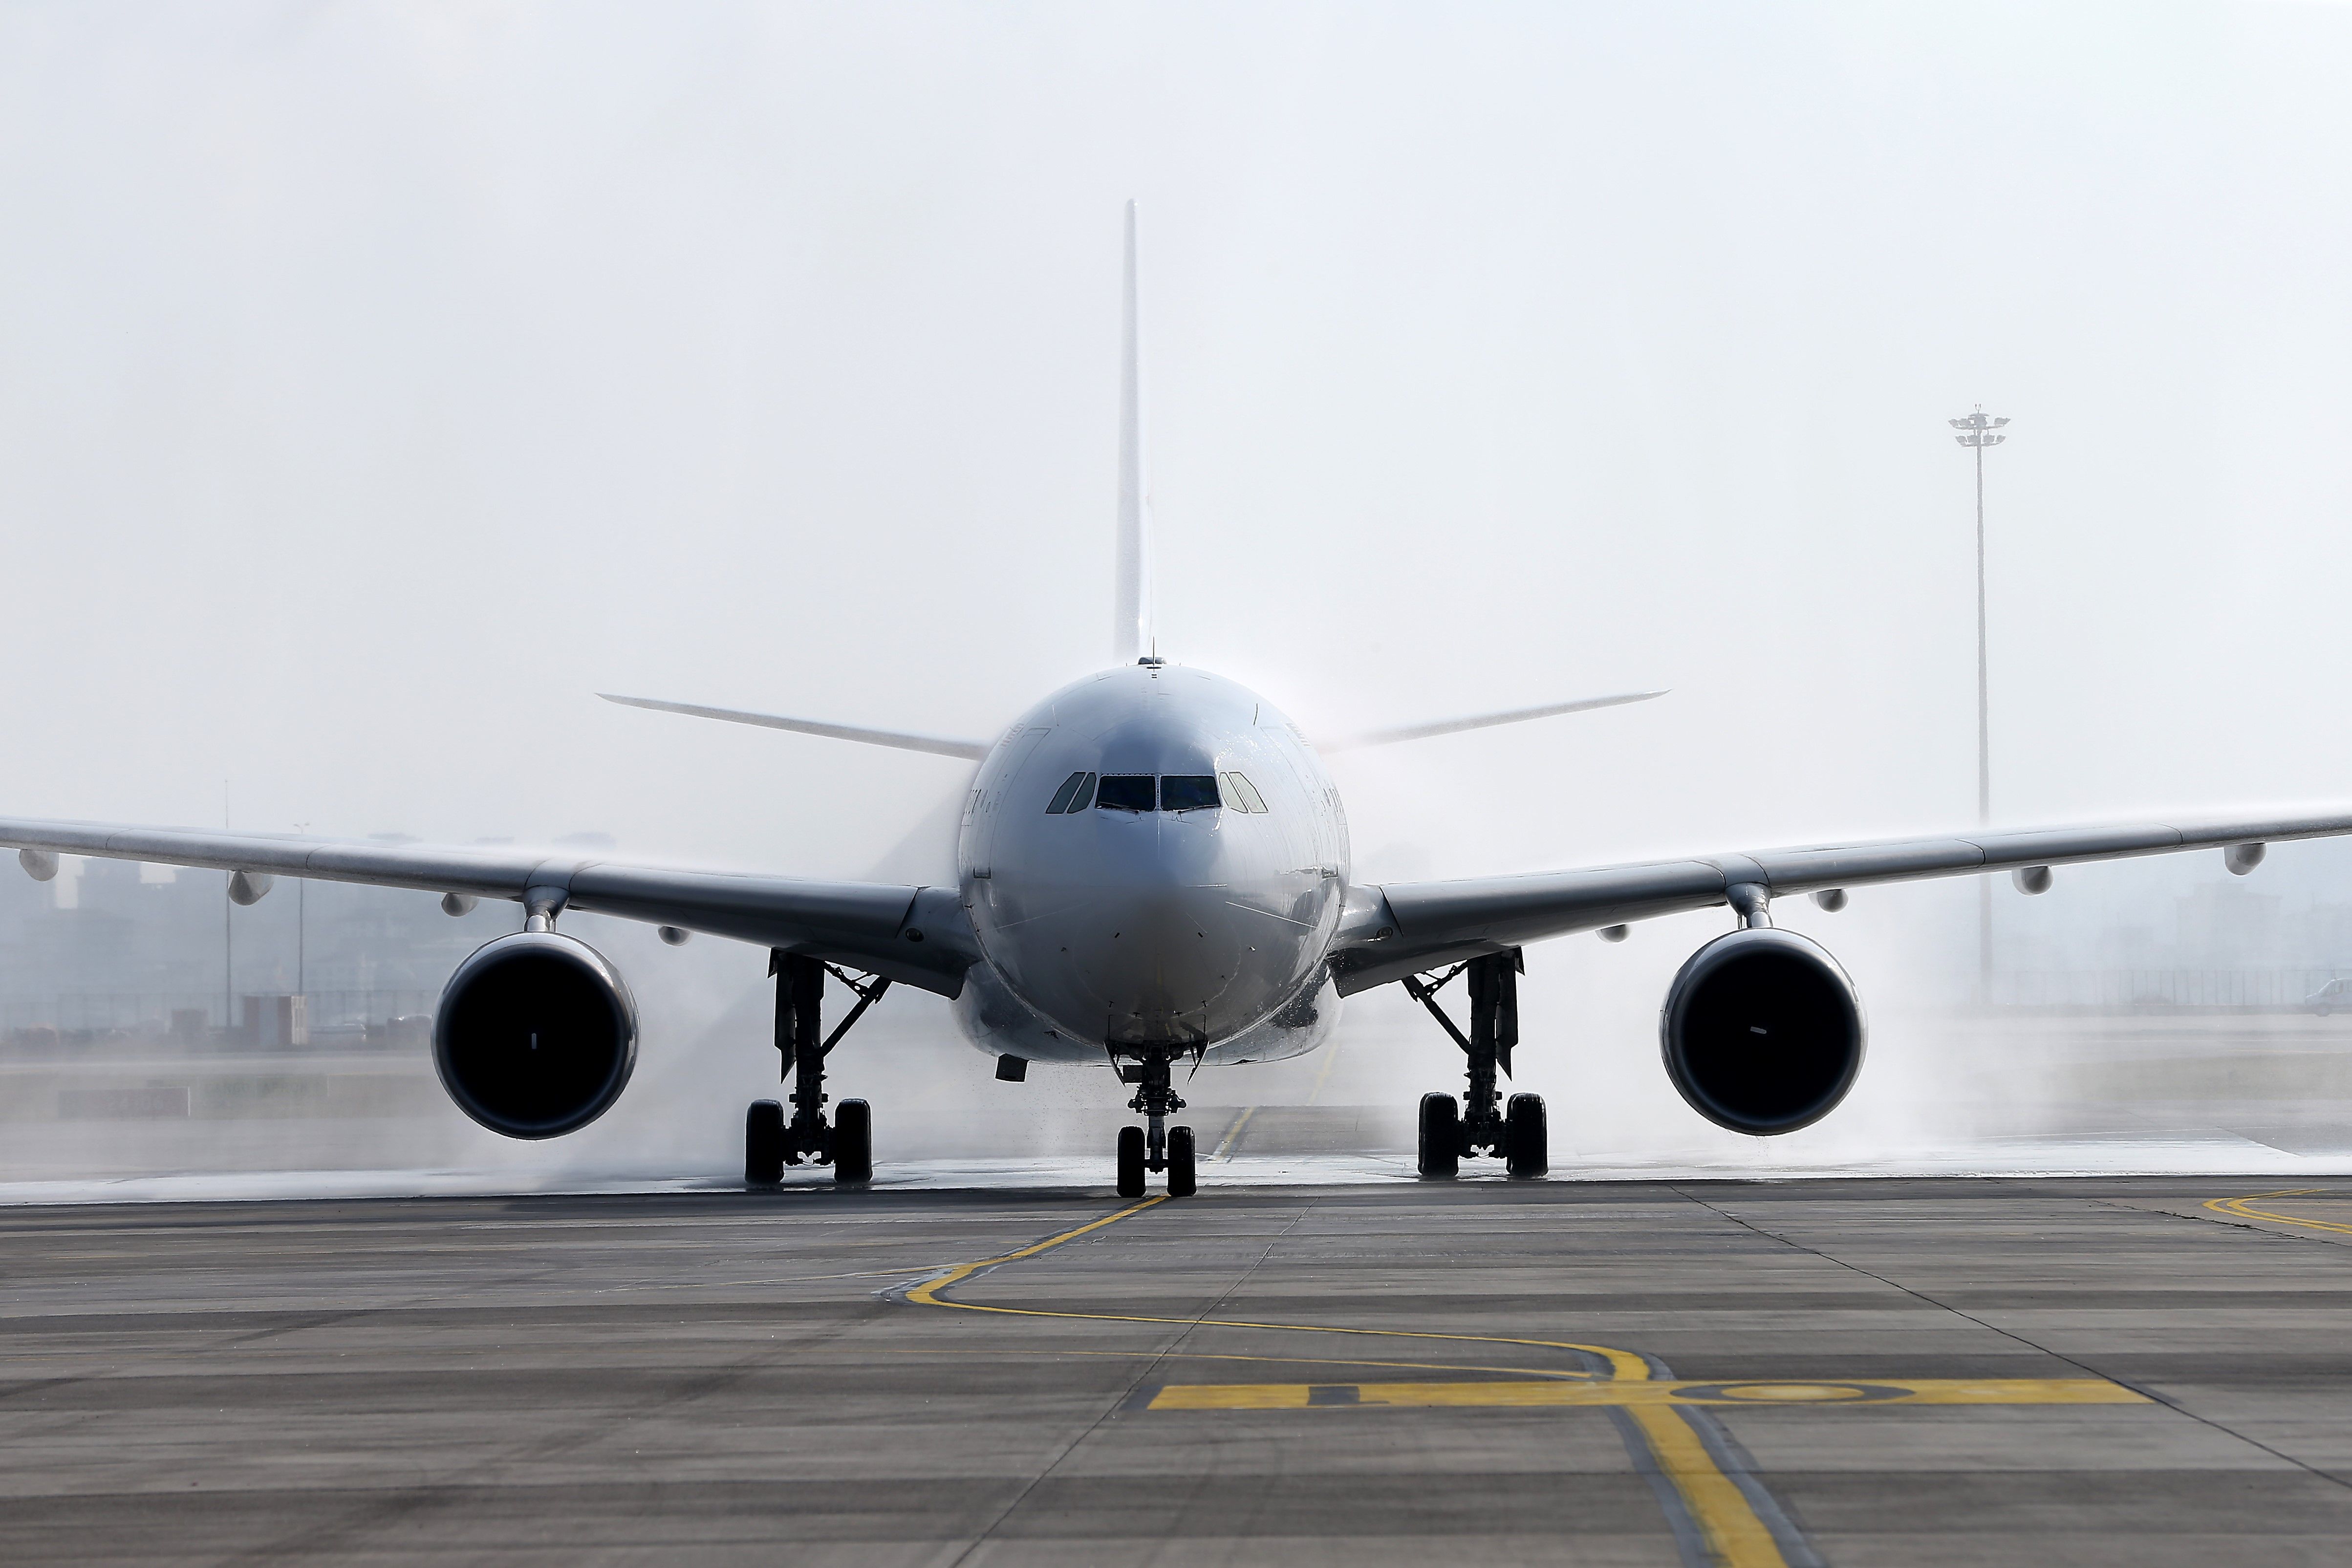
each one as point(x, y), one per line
point(1118, 928)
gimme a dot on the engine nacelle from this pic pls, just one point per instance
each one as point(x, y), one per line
point(536, 1036)
point(1762, 1032)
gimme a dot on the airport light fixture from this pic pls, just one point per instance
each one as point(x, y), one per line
point(1977, 431)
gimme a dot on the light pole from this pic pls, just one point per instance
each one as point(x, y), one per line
point(302, 923)
point(1978, 431)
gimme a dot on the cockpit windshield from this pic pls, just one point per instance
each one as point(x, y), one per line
point(1186, 792)
point(1125, 792)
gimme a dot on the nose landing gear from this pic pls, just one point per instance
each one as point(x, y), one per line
point(1480, 1125)
point(1165, 1148)
point(771, 1143)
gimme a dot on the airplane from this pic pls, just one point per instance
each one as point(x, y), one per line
point(1152, 866)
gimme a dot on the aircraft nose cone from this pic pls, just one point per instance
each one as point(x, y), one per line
point(1161, 935)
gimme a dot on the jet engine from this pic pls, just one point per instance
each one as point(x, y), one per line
point(1762, 1032)
point(536, 1035)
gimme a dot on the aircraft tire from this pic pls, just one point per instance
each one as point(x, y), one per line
point(1131, 1162)
point(853, 1141)
point(1526, 1138)
point(763, 1143)
point(1441, 1136)
point(1180, 1162)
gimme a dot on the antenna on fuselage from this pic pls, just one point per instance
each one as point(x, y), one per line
point(1131, 634)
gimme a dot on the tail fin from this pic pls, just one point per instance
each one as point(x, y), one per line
point(1131, 633)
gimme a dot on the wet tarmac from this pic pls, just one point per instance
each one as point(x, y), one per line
point(1922, 1372)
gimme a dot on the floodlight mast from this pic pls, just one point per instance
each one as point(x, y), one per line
point(1978, 431)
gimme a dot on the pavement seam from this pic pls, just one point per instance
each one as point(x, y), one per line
point(1126, 1395)
point(2150, 1394)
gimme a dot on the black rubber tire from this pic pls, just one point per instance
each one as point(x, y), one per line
point(1131, 1162)
point(1527, 1137)
point(763, 1143)
point(853, 1141)
point(1180, 1162)
point(1441, 1136)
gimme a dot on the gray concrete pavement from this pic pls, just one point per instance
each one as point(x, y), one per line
point(1859, 1372)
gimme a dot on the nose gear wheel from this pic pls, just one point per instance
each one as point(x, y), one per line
point(1161, 1148)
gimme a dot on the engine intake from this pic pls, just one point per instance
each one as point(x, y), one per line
point(1762, 1032)
point(536, 1035)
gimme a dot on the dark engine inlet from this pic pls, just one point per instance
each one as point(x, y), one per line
point(1762, 1032)
point(536, 1036)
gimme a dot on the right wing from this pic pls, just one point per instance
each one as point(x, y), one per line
point(1403, 928)
point(905, 740)
point(917, 936)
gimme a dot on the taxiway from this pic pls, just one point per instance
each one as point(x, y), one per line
point(1921, 1372)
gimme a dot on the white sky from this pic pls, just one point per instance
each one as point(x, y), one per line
point(379, 381)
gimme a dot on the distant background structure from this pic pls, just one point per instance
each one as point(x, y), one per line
point(1978, 431)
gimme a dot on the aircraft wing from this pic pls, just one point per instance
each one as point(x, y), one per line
point(1402, 928)
point(1473, 721)
point(866, 734)
point(915, 936)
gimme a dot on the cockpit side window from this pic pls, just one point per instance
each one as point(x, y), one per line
point(1188, 792)
point(1241, 794)
point(1125, 792)
point(1066, 793)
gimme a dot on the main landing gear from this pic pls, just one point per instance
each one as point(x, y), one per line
point(1167, 1149)
point(1451, 1132)
point(770, 1142)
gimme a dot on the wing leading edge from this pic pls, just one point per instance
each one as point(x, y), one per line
point(915, 936)
point(864, 735)
point(1402, 928)
point(1479, 721)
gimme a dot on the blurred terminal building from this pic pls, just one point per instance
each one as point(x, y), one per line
point(112, 955)
point(113, 951)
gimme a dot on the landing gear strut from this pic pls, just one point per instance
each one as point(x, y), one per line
point(1165, 1148)
point(770, 1142)
point(1479, 1124)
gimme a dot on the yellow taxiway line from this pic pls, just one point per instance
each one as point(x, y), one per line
point(1656, 1391)
point(1736, 1537)
point(2243, 1208)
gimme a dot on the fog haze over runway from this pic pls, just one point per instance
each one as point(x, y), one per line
point(381, 382)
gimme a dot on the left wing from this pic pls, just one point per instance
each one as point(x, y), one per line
point(915, 936)
point(1402, 928)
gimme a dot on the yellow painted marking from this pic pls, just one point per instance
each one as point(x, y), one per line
point(1736, 1537)
point(1654, 1394)
point(2243, 1208)
point(1331, 1060)
point(1226, 1145)
point(927, 1293)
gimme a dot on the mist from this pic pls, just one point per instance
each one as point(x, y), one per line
point(380, 382)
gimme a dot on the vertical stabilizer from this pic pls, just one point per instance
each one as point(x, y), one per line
point(1132, 630)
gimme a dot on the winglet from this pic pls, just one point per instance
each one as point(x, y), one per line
point(1131, 633)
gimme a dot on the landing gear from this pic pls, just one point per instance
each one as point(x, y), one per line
point(1180, 1162)
point(1525, 1139)
point(1441, 1136)
point(1480, 1125)
point(1131, 1162)
point(763, 1143)
point(846, 1143)
point(1164, 1148)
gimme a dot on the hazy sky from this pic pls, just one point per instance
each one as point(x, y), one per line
point(379, 381)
